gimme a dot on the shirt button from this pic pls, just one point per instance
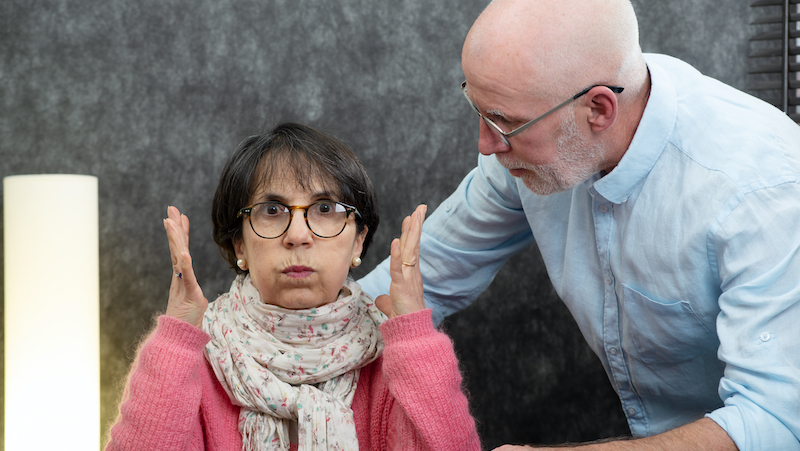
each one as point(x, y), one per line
point(603, 209)
point(447, 207)
point(608, 280)
point(631, 411)
point(765, 336)
point(612, 351)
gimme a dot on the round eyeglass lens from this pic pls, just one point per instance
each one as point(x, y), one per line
point(326, 218)
point(270, 219)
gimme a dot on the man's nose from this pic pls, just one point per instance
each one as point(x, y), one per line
point(488, 141)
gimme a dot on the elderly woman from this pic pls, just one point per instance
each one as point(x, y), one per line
point(295, 356)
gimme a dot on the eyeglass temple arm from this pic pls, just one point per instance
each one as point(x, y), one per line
point(614, 89)
point(559, 106)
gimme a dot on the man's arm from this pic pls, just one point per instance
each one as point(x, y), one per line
point(462, 245)
point(702, 435)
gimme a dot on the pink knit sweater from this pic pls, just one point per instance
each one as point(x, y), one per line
point(409, 399)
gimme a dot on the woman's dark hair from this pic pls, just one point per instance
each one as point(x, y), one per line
point(301, 154)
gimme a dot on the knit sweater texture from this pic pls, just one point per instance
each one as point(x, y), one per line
point(411, 398)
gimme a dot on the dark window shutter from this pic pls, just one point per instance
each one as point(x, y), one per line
point(775, 54)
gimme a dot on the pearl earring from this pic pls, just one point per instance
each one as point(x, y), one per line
point(356, 262)
point(242, 264)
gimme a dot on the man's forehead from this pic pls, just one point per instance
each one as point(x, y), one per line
point(503, 100)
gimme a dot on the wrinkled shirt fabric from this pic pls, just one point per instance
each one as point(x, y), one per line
point(681, 266)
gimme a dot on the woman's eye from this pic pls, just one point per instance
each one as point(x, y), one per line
point(325, 207)
point(272, 210)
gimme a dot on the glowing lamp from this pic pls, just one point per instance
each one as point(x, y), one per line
point(52, 336)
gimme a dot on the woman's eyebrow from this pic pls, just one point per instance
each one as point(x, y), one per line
point(268, 196)
point(324, 195)
point(315, 196)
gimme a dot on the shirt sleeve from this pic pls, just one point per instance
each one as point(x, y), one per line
point(466, 240)
point(161, 403)
point(757, 251)
point(421, 372)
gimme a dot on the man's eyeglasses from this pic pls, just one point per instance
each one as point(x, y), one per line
point(325, 218)
point(505, 135)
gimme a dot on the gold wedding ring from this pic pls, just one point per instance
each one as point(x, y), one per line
point(409, 264)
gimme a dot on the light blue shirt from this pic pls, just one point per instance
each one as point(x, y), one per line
point(681, 266)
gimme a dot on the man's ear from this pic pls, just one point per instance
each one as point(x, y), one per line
point(602, 103)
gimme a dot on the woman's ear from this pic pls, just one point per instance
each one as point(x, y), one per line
point(358, 247)
point(241, 253)
point(238, 247)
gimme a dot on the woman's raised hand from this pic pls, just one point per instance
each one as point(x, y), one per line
point(405, 292)
point(186, 300)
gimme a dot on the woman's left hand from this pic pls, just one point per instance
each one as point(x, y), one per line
point(405, 292)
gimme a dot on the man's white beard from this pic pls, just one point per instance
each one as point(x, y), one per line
point(577, 159)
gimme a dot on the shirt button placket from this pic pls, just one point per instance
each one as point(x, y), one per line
point(604, 222)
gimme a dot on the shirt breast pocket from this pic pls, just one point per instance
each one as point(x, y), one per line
point(658, 332)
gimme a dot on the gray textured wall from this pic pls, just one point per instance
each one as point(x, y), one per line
point(151, 97)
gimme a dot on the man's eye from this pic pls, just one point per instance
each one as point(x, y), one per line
point(499, 120)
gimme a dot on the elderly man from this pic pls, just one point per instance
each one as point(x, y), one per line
point(666, 206)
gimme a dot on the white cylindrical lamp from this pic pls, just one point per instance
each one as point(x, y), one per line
point(52, 333)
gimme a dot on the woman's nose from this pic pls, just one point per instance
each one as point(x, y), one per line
point(298, 231)
point(488, 141)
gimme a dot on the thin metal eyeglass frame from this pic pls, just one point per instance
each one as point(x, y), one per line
point(248, 210)
point(504, 136)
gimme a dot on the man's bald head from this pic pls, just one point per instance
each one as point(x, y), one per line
point(553, 48)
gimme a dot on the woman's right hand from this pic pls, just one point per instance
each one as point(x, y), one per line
point(186, 300)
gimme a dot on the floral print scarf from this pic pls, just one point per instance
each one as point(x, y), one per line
point(284, 365)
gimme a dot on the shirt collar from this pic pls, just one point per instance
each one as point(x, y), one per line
point(652, 135)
